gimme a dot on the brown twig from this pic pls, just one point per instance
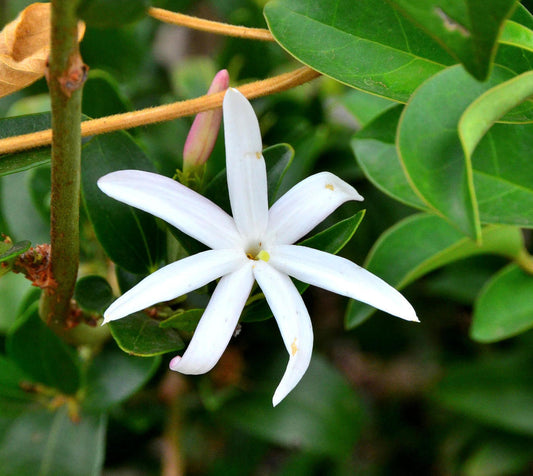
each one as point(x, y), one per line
point(210, 26)
point(163, 113)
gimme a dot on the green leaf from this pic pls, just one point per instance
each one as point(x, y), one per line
point(129, 236)
point(93, 293)
point(496, 392)
point(9, 251)
point(365, 107)
point(11, 376)
point(13, 126)
point(46, 443)
point(369, 47)
point(421, 243)
point(503, 175)
point(518, 35)
point(140, 335)
point(468, 30)
point(504, 308)
point(375, 150)
point(111, 13)
point(113, 376)
point(13, 288)
point(185, 321)
point(332, 240)
point(41, 354)
point(321, 415)
point(102, 95)
point(430, 147)
point(491, 106)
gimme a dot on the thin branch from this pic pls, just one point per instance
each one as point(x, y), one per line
point(210, 26)
point(66, 75)
point(163, 113)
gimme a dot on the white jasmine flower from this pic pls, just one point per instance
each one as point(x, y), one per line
point(255, 245)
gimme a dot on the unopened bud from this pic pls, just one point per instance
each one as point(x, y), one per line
point(204, 130)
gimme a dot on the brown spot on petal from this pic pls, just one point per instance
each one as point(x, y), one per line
point(258, 155)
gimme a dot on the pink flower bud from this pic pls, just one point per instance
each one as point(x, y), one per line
point(204, 130)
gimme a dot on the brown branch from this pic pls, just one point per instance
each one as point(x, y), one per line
point(163, 113)
point(210, 26)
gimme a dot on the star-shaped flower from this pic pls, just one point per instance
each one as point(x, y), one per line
point(255, 245)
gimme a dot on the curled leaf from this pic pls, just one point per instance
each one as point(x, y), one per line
point(25, 46)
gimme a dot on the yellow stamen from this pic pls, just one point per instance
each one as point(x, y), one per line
point(330, 187)
point(258, 155)
point(263, 255)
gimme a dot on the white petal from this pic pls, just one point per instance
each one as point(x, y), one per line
point(341, 276)
point(293, 321)
point(175, 280)
point(305, 205)
point(245, 165)
point(217, 324)
point(178, 205)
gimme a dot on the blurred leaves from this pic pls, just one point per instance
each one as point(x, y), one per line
point(321, 415)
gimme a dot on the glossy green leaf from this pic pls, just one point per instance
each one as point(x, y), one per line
point(467, 29)
point(11, 250)
point(185, 321)
point(370, 47)
point(321, 415)
point(140, 335)
point(421, 243)
point(41, 354)
point(48, 443)
point(93, 293)
point(25, 160)
point(496, 392)
point(113, 376)
point(504, 308)
point(430, 147)
point(375, 150)
point(518, 35)
point(332, 240)
point(365, 107)
point(502, 175)
point(129, 236)
point(491, 106)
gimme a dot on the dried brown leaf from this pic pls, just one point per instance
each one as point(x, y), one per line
point(25, 47)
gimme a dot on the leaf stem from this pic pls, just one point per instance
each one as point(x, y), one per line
point(163, 113)
point(525, 261)
point(195, 23)
point(66, 75)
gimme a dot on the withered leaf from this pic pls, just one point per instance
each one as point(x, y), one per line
point(25, 46)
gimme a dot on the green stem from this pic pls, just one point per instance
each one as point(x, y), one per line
point(66, 75)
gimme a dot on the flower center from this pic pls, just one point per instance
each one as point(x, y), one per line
point(257, 253)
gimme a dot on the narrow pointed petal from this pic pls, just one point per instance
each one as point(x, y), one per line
point(175, 280)
point(305, 205)
point(217, 324)
point(245, 165)
point(171, 201)
point(293, 321)
point(340, 276)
